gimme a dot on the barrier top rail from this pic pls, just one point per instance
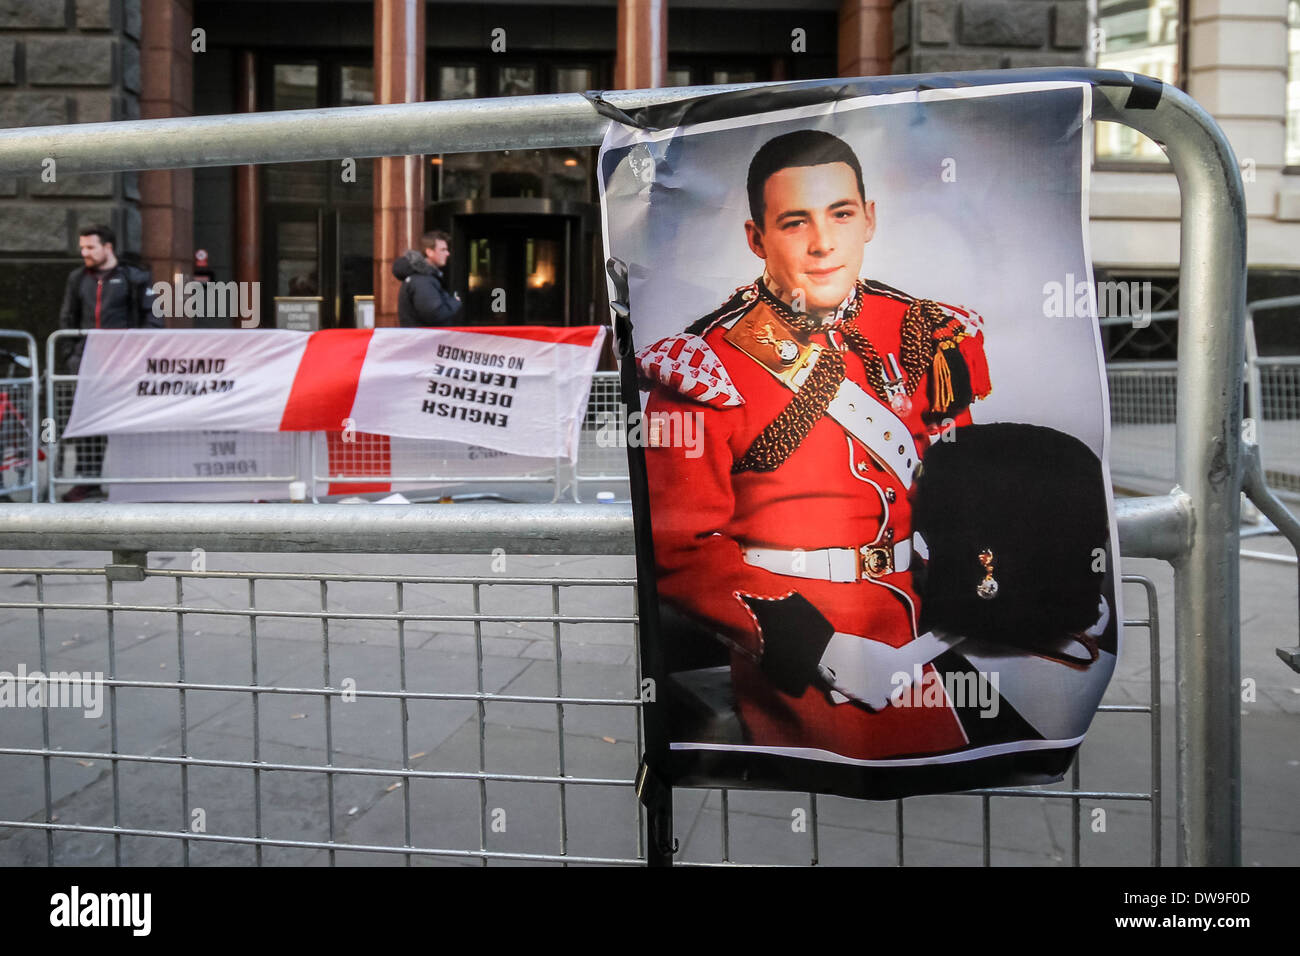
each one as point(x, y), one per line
point(1195, 526)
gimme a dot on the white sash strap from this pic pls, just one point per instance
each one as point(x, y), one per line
point(877, 427)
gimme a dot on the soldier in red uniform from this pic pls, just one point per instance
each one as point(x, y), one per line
point(790, 536)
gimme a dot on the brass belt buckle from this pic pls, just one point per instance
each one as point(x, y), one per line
point(877, 560)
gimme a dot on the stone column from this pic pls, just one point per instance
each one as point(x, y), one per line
point(167, 89)
point(248, 186)
point(866, 37)
point(641, 61)
point(399, 180)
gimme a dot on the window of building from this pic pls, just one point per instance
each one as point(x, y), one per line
point(516, 80)
point(295, 86)
point(1140, 36)
point(733, 76)
point(356, 85)
point(1293, 84)
point(572, 79)
point(317, 221)
point(457, 83)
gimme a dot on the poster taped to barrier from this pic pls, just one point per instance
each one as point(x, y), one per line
point(876, 543)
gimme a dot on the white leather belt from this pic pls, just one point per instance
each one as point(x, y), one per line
point(839, 565)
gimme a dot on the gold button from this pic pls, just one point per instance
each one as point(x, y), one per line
point(886, 436)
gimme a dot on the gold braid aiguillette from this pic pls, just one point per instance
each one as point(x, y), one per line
point(787, 431)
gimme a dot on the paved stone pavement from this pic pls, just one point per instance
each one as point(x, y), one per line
point(519, 738)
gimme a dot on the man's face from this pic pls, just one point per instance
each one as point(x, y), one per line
point(439, 254)
point(93, 252)
point(815, 227)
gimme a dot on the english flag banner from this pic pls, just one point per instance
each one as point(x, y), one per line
point(156, 380)
point(520, 390)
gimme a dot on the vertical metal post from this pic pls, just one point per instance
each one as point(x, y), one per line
point(1207, 620)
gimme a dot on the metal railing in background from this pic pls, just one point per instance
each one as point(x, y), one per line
point(21, 455)
point(1273, 403)
point(1195, 527)
point(601, 463)
point(367, 461)
point(1144, 409)
point(171, 466)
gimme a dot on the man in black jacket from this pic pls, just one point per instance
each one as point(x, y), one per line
point(103, 294)
point(425, 299)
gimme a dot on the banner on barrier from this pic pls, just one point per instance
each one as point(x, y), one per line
point(227, 459)
point(885, 565)
point(518, 390)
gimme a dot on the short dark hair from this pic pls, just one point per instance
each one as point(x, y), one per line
point(803, 147)
point(106, 235)
point(430, 239)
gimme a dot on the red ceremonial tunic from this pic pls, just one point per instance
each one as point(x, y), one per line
point(828, 494)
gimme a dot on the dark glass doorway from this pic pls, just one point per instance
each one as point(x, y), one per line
point(317, 220)
point(515, 270)
point(520, 261)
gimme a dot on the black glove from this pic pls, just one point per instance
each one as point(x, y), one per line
point(795, 635)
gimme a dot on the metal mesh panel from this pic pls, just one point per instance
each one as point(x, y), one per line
point(1143, 405)
point(1279, 430)
point(602, 457)
point(21, 457)
point(280, 717)
point(361, 462)
point(155, 466)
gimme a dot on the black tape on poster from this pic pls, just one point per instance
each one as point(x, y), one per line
point(1145, 93)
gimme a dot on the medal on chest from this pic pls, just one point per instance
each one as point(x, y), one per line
point(896, 388)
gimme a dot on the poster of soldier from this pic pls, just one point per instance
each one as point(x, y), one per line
point(872, 410)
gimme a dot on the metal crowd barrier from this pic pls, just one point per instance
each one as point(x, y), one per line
point(262, 464)
point(1143, 409)
point(454, 468)
point(228, 692)
point(1273, 403)
point(21, 457)
point(601, 463)
point(1194, 527)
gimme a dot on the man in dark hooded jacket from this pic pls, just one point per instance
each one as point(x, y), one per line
point(104, 293)
point(425, 299)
